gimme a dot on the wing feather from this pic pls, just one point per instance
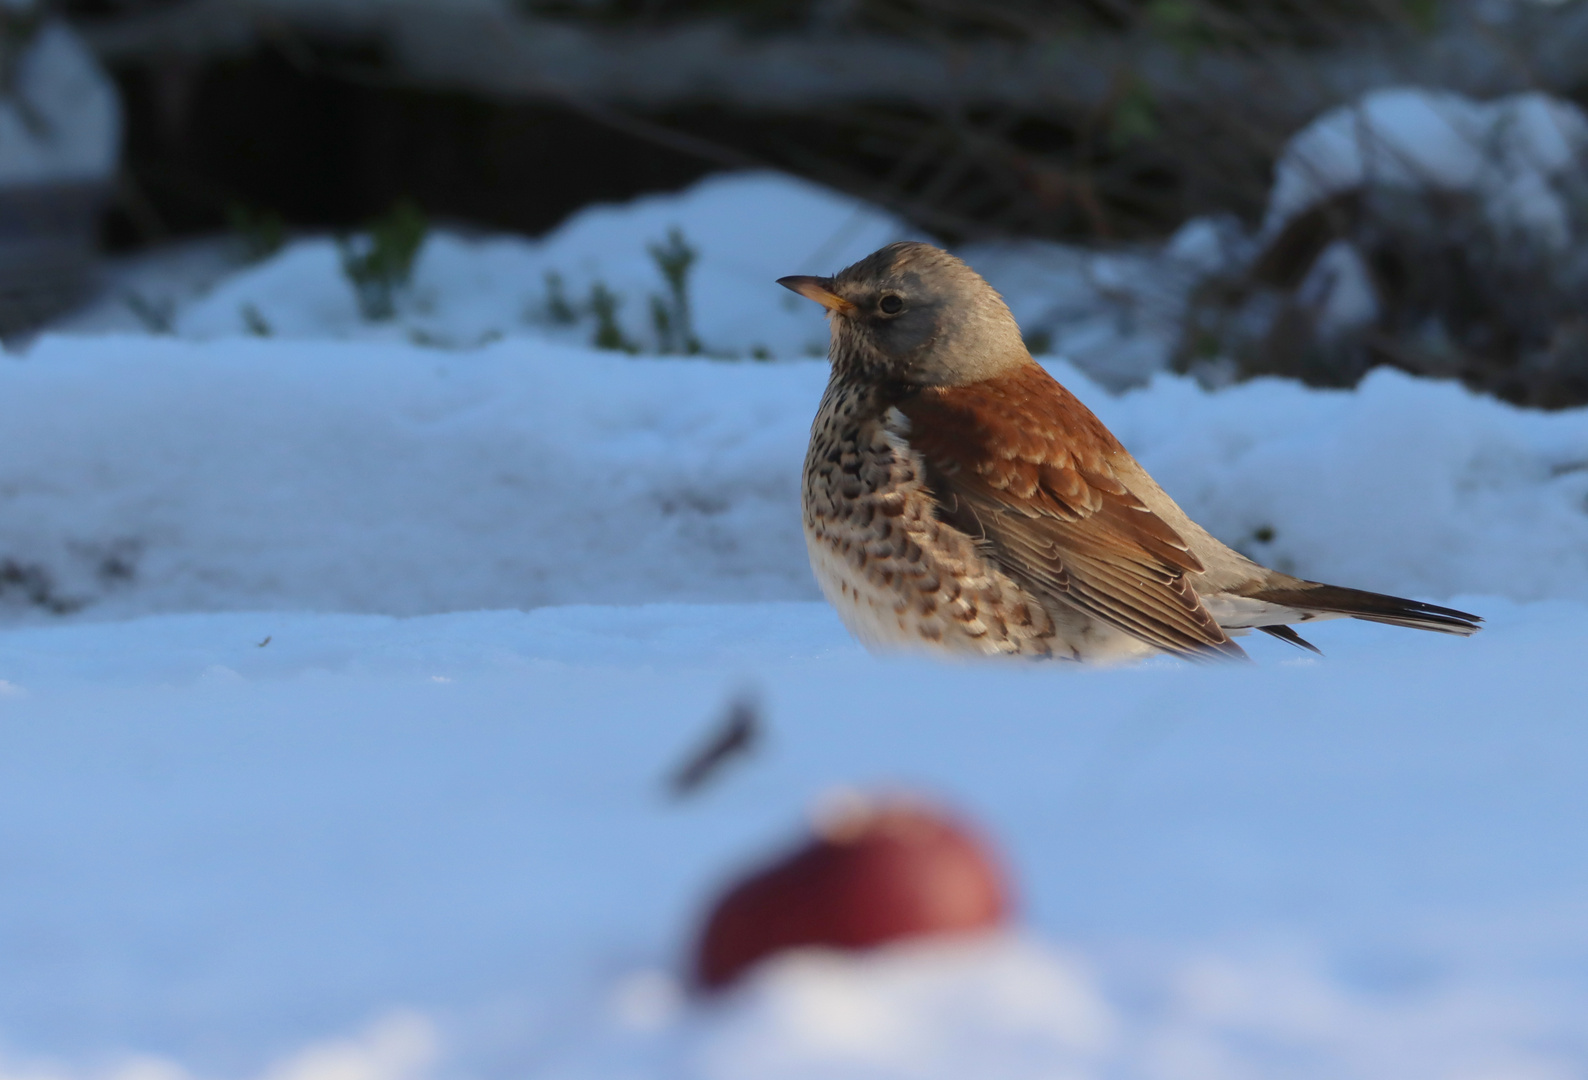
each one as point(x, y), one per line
point(1020, 462)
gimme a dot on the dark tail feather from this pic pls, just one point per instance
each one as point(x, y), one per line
point(1374, 607)
point(1285, 633)
point(1222, 652)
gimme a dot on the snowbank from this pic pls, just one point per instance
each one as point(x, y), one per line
point(1115, 314)
point(149, 474)
point(749, 230)
point(1514, 152)
point(155, 475)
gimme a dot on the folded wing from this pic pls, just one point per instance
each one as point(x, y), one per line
point(1020, 463)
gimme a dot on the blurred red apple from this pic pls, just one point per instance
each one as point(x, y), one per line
point(873, 873)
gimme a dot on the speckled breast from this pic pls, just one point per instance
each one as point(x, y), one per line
point(898, 577)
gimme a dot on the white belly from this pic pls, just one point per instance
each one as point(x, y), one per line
point(879, 620)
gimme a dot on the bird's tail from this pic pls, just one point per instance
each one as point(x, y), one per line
point(1311, 596)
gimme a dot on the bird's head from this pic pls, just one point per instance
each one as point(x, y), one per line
point(914, 314)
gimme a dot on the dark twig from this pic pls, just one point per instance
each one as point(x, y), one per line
point(734, 736)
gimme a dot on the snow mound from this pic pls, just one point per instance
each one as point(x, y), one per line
point(1017, 1010)
point(1001, 1007)
point(1115, 314)
point(158, 475)
point(60, 118)
point(150, 474)
point(1514, 152)
point(1403, 485)
point(748, 228)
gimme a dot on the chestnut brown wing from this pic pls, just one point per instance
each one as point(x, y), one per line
point(1019, 462)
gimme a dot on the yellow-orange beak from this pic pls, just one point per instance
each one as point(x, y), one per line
point(818, 289)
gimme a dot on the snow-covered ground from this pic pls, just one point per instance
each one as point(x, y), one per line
point(151, 474)
point(442, 844)
point(340, 675)
point(235, 828)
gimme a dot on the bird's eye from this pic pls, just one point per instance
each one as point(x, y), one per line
point(891, 305)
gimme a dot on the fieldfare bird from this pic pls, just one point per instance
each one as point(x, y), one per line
point(958, 499)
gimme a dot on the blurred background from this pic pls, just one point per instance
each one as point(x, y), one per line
point(410, 667)
point(1109, 124)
